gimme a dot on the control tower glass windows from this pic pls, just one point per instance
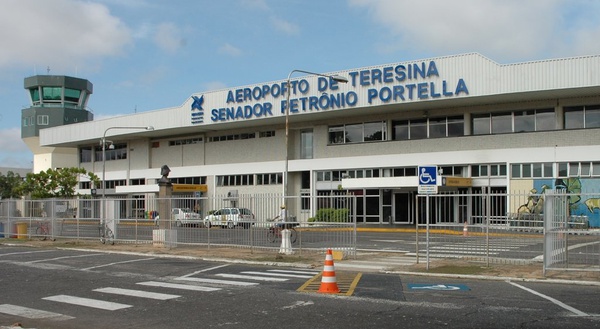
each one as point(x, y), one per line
point(51, 94)
point(72, 95)
point(35, 95)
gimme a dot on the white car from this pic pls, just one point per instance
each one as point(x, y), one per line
point(230, 218)
point(185, 217)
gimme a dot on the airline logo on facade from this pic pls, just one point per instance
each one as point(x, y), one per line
point(197, 112)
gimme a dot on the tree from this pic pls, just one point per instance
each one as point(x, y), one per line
point(55, 183)
point(10, 185)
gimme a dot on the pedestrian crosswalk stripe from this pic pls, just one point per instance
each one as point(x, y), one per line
point(215, 281)
point(177, 286)
point(88, 302)
point(250, 277)
point(31, 313)
point(285, 275)
point(136, 293)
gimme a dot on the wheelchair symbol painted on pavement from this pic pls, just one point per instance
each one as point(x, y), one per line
point(438, 287)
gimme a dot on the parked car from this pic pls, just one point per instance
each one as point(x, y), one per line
point(185, 217)
point(230, 218)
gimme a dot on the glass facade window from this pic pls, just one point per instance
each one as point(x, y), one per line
point(524, 121)
point(592, 116)
point(400, 130)
point(574, 117)
point(306, 144)
point(418, 129)
point(545, 120)
point(357, 133)
point(501, 123)
point(481, 124)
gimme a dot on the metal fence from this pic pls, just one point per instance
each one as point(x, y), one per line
point(509, 229)
point(317, 223)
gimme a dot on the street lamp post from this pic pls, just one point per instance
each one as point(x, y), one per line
point(334, 77)
point(103, 142)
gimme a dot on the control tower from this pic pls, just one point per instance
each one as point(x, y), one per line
point(55, 100)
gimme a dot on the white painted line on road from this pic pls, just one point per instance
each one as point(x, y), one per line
point(555, 301)
point(204, 270)
point(116, 263)
point(284, 275)
point(88, 302)
point(31, 313)
point(250, 277)
point(136, 293)
point(57, 258)
point(177, 286)
point(293, 271)
point(24, 252)
point(215, 281)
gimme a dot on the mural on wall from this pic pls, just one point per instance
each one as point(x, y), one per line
point(583, 201)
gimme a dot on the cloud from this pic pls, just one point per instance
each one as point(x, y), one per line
point(230, 50)
point(500, 29)
point(168, 38)
point(213, 85)
point(284, 26)
point(13, 151)
point(58, 33)
point(258, 4)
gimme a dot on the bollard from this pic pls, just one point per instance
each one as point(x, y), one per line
point(286, 243)
point(465, 230)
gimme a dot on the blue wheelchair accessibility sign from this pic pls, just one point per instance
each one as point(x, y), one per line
point(428, 175)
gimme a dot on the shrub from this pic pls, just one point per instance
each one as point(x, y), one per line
point(332, 215)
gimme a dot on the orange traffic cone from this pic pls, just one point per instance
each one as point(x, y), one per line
point(328, 280)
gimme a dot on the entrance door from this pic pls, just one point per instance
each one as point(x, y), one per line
point(404, 208)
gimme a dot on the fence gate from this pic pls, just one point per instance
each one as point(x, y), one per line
point(556, 215)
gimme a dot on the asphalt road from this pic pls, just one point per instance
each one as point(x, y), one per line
point(51, 288)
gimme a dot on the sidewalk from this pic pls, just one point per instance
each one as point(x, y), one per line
point(448, 267)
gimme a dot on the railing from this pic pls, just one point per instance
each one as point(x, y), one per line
point(64, 220)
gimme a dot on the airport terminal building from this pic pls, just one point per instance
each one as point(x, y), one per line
point(486, 126)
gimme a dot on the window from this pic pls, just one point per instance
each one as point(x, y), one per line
point(524, 121)
point(43, 120)
point(400, 130)
point(186, 141)
point(266, 134)
point(231, 137)
point(52, 94)
point(35, 95)
point(72, 95)
point(137, 181)
point(235, 180)
point(418, 129)
point(189, 180)
point(516, 121)
point(532, 170)
point(501, 123)
point(481, 124)
point(357, 133)
point(577, 117)
point(117, 152)
point(306, 144)
point(269, 179)
point(85, 154)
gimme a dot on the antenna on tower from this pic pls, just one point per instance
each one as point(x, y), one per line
point(48, 70)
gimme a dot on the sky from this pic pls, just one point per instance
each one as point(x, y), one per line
point(143, 55)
